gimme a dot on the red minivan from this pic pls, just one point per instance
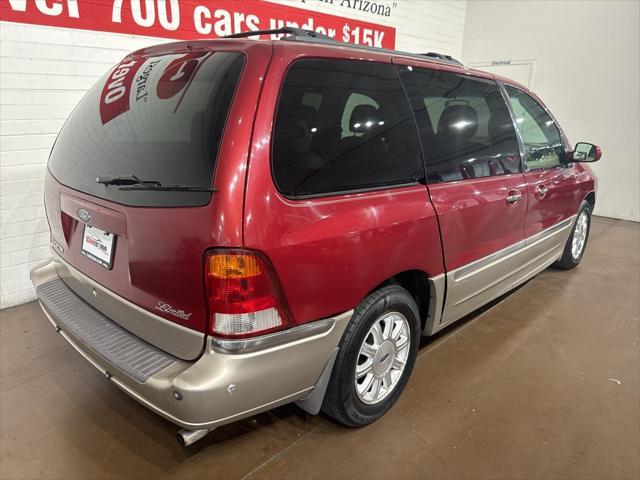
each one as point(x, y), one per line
point(240, 224)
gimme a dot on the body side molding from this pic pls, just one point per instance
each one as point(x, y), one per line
point(461, 291)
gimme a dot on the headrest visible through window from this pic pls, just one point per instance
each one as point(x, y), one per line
point(364, 118)
point(458, 120)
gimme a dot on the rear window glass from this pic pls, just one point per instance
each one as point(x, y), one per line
point(158, 118)
point(341, 126)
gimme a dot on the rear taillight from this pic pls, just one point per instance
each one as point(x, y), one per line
point(243, 295)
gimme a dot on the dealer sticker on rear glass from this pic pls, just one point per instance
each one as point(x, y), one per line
point(98, 245)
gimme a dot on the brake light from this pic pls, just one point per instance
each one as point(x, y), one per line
point(243, 295)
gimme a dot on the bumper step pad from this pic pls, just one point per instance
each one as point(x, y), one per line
point(117, 346)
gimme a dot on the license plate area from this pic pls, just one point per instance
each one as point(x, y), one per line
point(98, 246)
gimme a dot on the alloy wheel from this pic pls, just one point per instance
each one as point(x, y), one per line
point(382, 357)
point(580, 235)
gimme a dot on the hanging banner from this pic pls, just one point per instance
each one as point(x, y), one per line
point(191, 19)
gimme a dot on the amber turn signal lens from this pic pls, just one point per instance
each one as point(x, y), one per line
point(234, 266)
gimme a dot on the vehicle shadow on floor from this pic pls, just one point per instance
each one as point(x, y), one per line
point(291, 412)
point(279, 427)
point(466, 320)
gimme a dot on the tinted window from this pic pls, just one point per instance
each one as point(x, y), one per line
point(343, 125)
point(541, 137)
point(158, 118)
point(464, 123)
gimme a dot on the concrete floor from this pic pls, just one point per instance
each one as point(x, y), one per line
point(545, 383)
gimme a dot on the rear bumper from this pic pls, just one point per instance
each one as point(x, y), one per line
point(231, 379)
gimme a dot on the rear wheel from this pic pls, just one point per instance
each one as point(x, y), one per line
point(577, 241)
point(376, 356)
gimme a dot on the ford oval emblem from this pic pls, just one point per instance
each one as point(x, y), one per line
point(83, 215)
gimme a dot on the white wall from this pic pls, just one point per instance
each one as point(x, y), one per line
point(587, 56)
point(421, 25)
point(44, 71)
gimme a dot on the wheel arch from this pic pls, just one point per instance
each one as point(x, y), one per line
point(590, 198)
point(427, 291)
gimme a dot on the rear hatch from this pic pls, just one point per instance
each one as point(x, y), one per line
point(129, 191)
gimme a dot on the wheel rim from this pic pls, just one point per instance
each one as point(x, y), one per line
point(580, 235)
point(382, 357)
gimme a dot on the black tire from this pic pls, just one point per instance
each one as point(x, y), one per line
point(568, 261)
point(341, 401)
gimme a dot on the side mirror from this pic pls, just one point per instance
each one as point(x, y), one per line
point(586, 152)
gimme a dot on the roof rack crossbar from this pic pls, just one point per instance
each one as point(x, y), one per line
point(293, 33)
point(302, 35)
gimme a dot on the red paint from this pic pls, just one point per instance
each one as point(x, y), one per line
point(110, 220)
point(566, 188)
point(159, 253)
point(327, 253)
point(330, 252)
point(475, 218)
point(191, 19)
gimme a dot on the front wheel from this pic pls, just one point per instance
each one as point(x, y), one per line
point(577, 241)
point(375, 359)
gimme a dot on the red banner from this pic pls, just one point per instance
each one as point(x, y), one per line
point(190, 19)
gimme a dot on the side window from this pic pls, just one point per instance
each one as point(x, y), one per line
point(343, 125)
point(542, 141)
point(464, 124)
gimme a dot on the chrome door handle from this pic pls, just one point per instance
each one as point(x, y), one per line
point(513, 197)
point(541, 191)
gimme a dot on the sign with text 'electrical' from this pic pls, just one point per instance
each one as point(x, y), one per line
point(191, 19)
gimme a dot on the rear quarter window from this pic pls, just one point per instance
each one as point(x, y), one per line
point(342, 126)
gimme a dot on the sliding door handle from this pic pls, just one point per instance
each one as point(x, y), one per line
point(513, 196)
point(541, 191)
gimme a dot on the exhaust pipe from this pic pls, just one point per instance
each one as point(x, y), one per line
point(188, 437)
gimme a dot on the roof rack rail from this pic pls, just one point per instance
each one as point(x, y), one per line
point(302, 35)
point(441, 56)
point(297, 34)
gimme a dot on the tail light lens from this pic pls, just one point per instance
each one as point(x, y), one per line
point(243, 295)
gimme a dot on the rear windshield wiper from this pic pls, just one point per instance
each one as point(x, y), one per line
point(131, 182)
point(167, 188)
point(124, 180)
